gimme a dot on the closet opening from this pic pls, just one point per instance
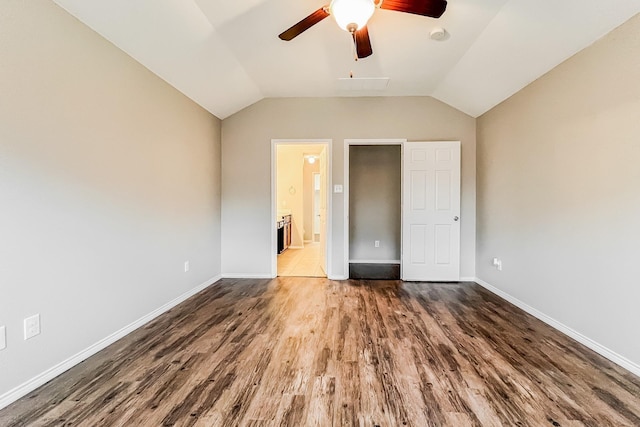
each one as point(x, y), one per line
point(374, 209)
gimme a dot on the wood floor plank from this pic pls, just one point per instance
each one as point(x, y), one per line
point(315, 352)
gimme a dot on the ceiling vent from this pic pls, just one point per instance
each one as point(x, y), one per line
point(363, 83)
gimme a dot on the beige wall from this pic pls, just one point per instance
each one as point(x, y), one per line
point(109, 181)
point(375, 189)
point(559, 193)
point(246, 151)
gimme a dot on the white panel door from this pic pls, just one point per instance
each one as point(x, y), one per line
point(431, 211)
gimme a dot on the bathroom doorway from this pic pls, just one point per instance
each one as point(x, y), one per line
point(300, 203)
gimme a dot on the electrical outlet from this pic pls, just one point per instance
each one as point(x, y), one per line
point(186, 266)
point(31, 326)
point(376, 243)
point(497, 263)
point(3, 337)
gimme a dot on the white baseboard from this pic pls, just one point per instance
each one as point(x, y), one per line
point(295, 247)
point(584, 340)
point(374, 261)
point(247, 276)
point(23, 389)
point(338, 277)
point(468, 279)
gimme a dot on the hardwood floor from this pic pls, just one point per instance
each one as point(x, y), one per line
point(314, 352)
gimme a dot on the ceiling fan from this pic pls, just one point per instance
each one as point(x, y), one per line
point(352, 16)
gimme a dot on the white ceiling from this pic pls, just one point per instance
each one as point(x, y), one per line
point(226, 55)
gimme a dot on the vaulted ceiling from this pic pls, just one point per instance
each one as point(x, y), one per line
point(226, 54)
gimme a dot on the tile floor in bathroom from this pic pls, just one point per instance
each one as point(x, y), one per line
point(301, 262)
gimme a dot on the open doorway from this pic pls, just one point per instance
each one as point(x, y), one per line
point(301, 172)
point(373, 208)
point(375, 186)
point(414, 190)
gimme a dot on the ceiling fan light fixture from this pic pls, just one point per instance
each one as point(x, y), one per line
point(350, 12)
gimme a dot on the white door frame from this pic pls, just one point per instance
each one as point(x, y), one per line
point(274, 232)
point(347, 144)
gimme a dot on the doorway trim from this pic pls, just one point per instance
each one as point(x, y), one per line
point(274, 232)
point(347, 144)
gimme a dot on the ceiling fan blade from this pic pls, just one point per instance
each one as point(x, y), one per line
point(305, 24)
point(363, 43)
point(431, 8)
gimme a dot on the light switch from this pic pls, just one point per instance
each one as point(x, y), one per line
point(3, 337)
point(337, 188)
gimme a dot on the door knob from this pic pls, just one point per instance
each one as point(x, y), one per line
point(455, 218)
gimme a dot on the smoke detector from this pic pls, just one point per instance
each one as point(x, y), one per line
point(438, 34)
